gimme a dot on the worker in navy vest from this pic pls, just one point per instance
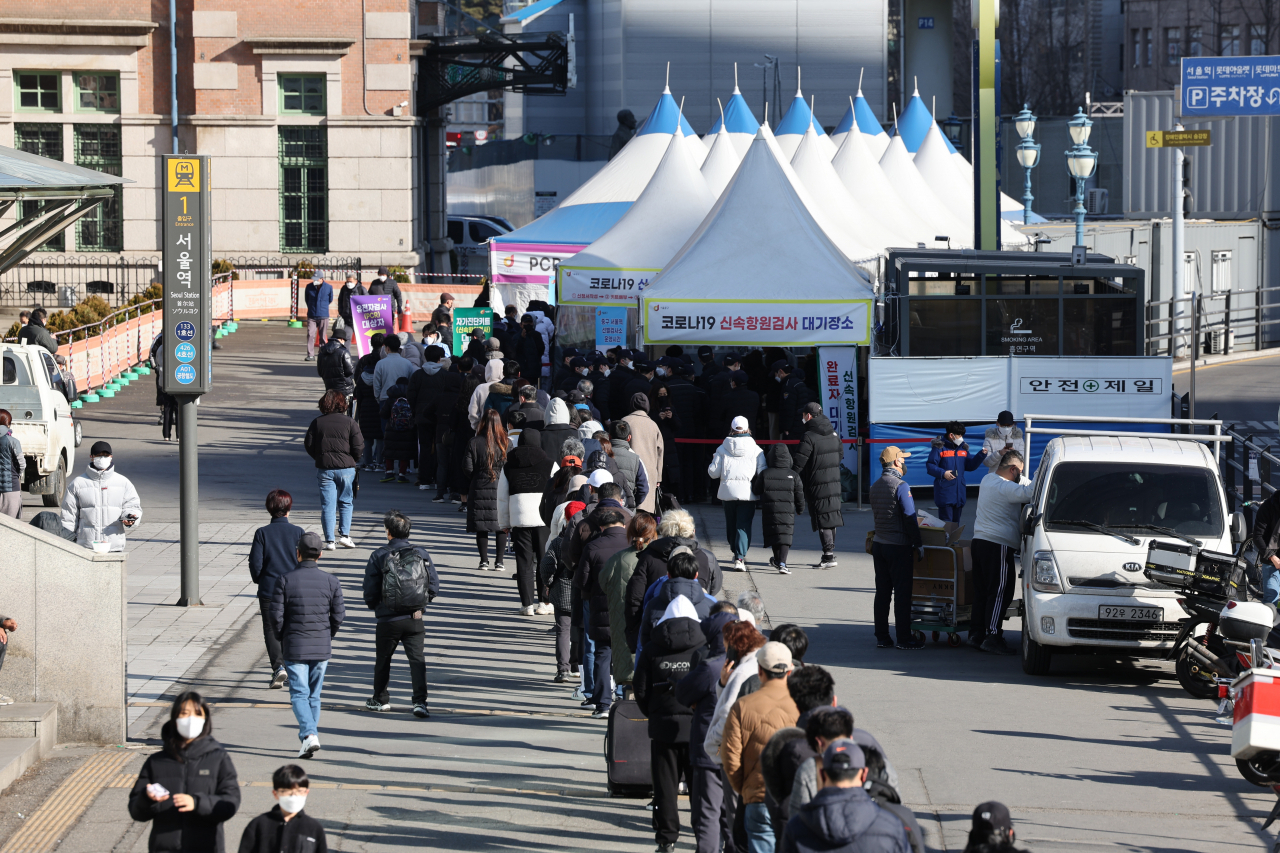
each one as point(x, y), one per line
point(949, 460)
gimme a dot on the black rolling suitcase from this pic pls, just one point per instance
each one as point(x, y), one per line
point(626, 751)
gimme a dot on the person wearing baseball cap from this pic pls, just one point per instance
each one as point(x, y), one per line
point(737, 461)
point(1005, 435)
point(992, 829)
point(897, 536)
point(817, 460)
point(318, 294)
point(842, 816)
point(101, 504)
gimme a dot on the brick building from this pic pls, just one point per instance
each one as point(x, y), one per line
point(304, 106)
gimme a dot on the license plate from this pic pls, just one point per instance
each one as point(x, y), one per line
point(1137, 614)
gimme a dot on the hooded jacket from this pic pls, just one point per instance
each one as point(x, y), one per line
point(698, 690)
point(781, 497)
point(556, 429)
point(646, 441)
point(817, 461)
point(523, 480)
point(737, 461)
point(492, 374)
point(652, 565)
point(595, 553)
point(618, 569)
point(674, 588)
point(96, 504)
point(993, 445)
point(336, 367)
point(943, 457)
point(334, 441)
point(306, 612)
point(425, 387)
point(844, 820)
point(667, 657)
point(208, 776)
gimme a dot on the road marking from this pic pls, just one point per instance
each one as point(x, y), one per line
point(336, 706)
point(46, 827)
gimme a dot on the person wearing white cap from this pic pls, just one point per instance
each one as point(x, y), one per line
point(736, 462)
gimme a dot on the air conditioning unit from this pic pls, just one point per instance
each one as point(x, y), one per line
point(1095, 201)
point(1221, 341)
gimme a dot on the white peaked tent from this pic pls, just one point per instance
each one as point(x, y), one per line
point(1010, 207)
point(615, 269)
point(760, 270)
point(791, 129)
point(953, 186)
point(872, 132)
point(862, 176)
point(903, 174)
point(860, 236)
point(722, 161)
point(738, 120)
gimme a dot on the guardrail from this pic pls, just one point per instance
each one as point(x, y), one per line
point(1242, 311)
point(1239, 467)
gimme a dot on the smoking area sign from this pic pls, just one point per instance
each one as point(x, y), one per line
point(188, 288)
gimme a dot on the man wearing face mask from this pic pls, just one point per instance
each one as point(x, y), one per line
point(101, 504)
point(431, 337)
point(897, 536)
point(385, 285)
point(1000, 439)
point(598, 376)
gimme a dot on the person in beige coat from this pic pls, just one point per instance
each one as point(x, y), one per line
point(646, 442)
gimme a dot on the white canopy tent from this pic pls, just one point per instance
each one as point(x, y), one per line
point(738, 120)
point(860, 235)
point(860, 173)
point(953, 186)
point(795, 123)
point(722, 161)
point(903, 174)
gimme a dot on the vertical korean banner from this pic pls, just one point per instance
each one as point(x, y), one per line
point(611, 328)
point(371, 315)
point(188, 286)
point(465, 321)
point(838, 394)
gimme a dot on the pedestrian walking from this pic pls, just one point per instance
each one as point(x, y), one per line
point(306, 612)
point(101, 505)
point(318, 296)
point(997, 539)
point(350, 288)
point(400, 435)
point(524, 479)
point(400, 580)
point(646, 441)
point(735, 464)
point(485, 457)
point(781, 500)
point(189, 789)
point(817, 461)
point(843, 816)
point(1266, 542)
point(334, 441)
point(949, 460)
point(896, 540)
point(1002, 437)
point(273, 554)
point(367, 406)
point(286, 828)
point(610, 538)
point(334, 364)
point(13, 467)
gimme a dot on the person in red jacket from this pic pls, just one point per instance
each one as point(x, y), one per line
point(949, 460)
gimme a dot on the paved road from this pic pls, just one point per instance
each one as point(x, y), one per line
point(1242, 392)
point(1098, 755)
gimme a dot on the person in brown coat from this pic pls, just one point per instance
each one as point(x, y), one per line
point(646, 442)
point(751, 723)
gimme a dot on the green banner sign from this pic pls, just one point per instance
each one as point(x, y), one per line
point(465, 320)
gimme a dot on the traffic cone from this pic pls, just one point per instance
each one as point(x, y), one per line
point(406, 318)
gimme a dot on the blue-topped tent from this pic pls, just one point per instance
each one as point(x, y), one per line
point(739, 122)
point(798, 119)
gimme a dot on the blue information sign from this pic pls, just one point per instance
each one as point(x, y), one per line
point(184, 373)
point(611, 328)
point(185, 331)
point(1230, 86)
point(924, 23)
point(184, 352)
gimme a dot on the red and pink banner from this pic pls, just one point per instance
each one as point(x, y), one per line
point(371, 315)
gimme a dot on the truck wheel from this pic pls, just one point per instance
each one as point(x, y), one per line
point(1198, 684)
point(79, 433)
point(1257, 770)
point(1035, 657)
point(55, 497)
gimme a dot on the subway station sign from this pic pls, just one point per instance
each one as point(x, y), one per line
point(188, 291)
point(1230, 86)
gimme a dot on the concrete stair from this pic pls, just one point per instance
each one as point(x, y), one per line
point(28, 733)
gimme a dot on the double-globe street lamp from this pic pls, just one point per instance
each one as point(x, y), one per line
point(1081, 162)
point(1028, 155)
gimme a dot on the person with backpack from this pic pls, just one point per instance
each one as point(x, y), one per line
point(334, 364)
point(400, 440)
point(400, 580)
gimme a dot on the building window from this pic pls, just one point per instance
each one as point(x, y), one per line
point(1229, 40)
point(302, 94)
point(97, 93)
point(1220, 272)
point(1136, 38)
point(44, 140)
point(1258, 40)
point(1146, 47)
point(98, 148)
point(38, 90)
point(1172, 45)
point(1194, 42)
point(304, 189)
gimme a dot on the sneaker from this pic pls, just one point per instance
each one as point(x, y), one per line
point(911, 645)
point(783, 570)
point(997, 646)
point(600, 712)
point(739, 565)
point(372, 704)
point(588, 702)
point(484, 565)
point(345, 542)
point(5, 700)
point(331, 545)
point(667, 848)
point(279, 680)
point(390, 478)
point(577, 693)
point(499, 567)
point(403, 479)
point(310, 747)
point(544, 610)
point(461, 506)
point(422, 487)
point(884, 643)
point(526, 611)
point(420, 711)
point(309, 358)
point(561, 678)
point(975, 641)
point(456, 499)
point(439, 499)
point(828, 561)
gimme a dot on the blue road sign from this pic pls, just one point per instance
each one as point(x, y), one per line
point(1230, 86)
point(924, 23)
point(184, 373)
point(184, 352)
point(185, 331)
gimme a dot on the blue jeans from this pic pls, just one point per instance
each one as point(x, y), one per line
point(306, 678)
point(336, 483)
point(737, 526)
point(1270, 582)
point(759, 828)
point(588, 653)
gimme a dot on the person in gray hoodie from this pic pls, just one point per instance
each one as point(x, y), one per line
point(558, 427)
point(494, 371)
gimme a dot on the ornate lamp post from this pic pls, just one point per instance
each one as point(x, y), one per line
point(1081, 161)
point(1028, 155)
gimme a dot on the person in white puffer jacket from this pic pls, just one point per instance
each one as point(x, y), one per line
point(101, 504)
point(738, 459)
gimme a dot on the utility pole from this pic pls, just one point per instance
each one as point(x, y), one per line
point(986, 117)
point(1179, 285)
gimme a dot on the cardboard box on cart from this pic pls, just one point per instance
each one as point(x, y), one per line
point(935, 575)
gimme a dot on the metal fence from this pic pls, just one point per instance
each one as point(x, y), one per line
point(1217, 321)
point(1247, 468)
point(283, 266)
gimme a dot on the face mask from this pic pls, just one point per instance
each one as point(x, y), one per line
point(433, 339)
point(778, 378)
point(190, 727)
point(1005, 432)
point(606, 371)
point(102, 463)
point(293, 803)
point(661, 371)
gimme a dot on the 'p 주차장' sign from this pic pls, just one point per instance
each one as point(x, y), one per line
point(188, 287)
point(781, 323)
point(1230, 86)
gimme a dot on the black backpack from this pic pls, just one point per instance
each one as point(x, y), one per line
point(404, 581)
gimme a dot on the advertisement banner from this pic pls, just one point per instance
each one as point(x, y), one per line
point(467, 319)
point(601, 285)
point(838, 394)
point(784, 322)
point(611, 328)
point(528, 263)
point(371, 315)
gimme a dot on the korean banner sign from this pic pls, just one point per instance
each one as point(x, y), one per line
point(598, 286)
point(371, 315)
point(838, 394)
point(747, 323)
point(467, 319)
point(611, 328)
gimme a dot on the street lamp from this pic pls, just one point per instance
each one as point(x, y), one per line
point(952, 127)
point(1028, 155)
point(1081, 161)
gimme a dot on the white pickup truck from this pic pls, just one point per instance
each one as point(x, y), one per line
point(32, 390)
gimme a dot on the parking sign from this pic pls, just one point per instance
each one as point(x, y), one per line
point(1215, 86)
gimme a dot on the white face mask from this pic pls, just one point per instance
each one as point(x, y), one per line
point(292, 803)
point(102, 463)
point(606, 371)
point(190, 727)
point(779, 378)
point(1005, 432)
point(661, 371)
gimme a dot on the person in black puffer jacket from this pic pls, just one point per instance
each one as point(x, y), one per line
point(196, 771)
point(460, 430)
point(611, 538)
point(817, 461)
point(676, 529)
point(367, 406)
point(529, 348)
point(335, 365)
point(781, 498)
point(556, 576)
point(485, 456)
point(335, 442)
point(400, 441)
point(520, 488)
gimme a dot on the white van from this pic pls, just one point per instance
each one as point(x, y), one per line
point(1099, 500)
point(34, 393)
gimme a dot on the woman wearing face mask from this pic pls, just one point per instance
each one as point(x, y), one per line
point(1001, 437)
point(189, 789)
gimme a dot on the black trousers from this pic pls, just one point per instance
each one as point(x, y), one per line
point(827, 536)
point(388, 635)
point(993, 583)
point(426, 453)
point(273, 644)
point(564, 630)
point(669, 763)
point(893, 582)
point(528, 543)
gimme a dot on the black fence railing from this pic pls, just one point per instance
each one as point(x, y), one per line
point(1224, 322)
point(1248, 466)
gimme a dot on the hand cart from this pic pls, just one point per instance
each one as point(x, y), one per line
point(937, 611)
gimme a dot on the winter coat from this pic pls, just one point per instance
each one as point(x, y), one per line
point(691, 407)
point(444, 405)
point(271, 833)
point(388, 287)
point(556, 575)
point(399, 444)
point(425, 387)
point(667, 593)
point(529, 350)
point(336, 367)
point(698, 690)
point(795, 396)
point(36, 333)
point(274, 553)
point(556, 429)
point(737, 402)
point(737, 461)
point(726, 698)
point(208, 776)
point(943, 457)
point(344, 302)
point(375, 568)
point(96, 504)
point(652, 564)
point(13, 463)
point(475, 405)
point(993, 445)
point(751, 722)
point(410, 350)
point(844, 820)
point(666, 659)
point(646, 441)
point(781, 497)
point(482, 500)
point(501, 396)
point(817, 461)
point(634, 478)
point(534, 417)
point(617, 571)
point(366, 400)
point(318, 298)
point(520, 488)
point(306, 612)
point(334, 441)
point(595, 553)
point(391, 369)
